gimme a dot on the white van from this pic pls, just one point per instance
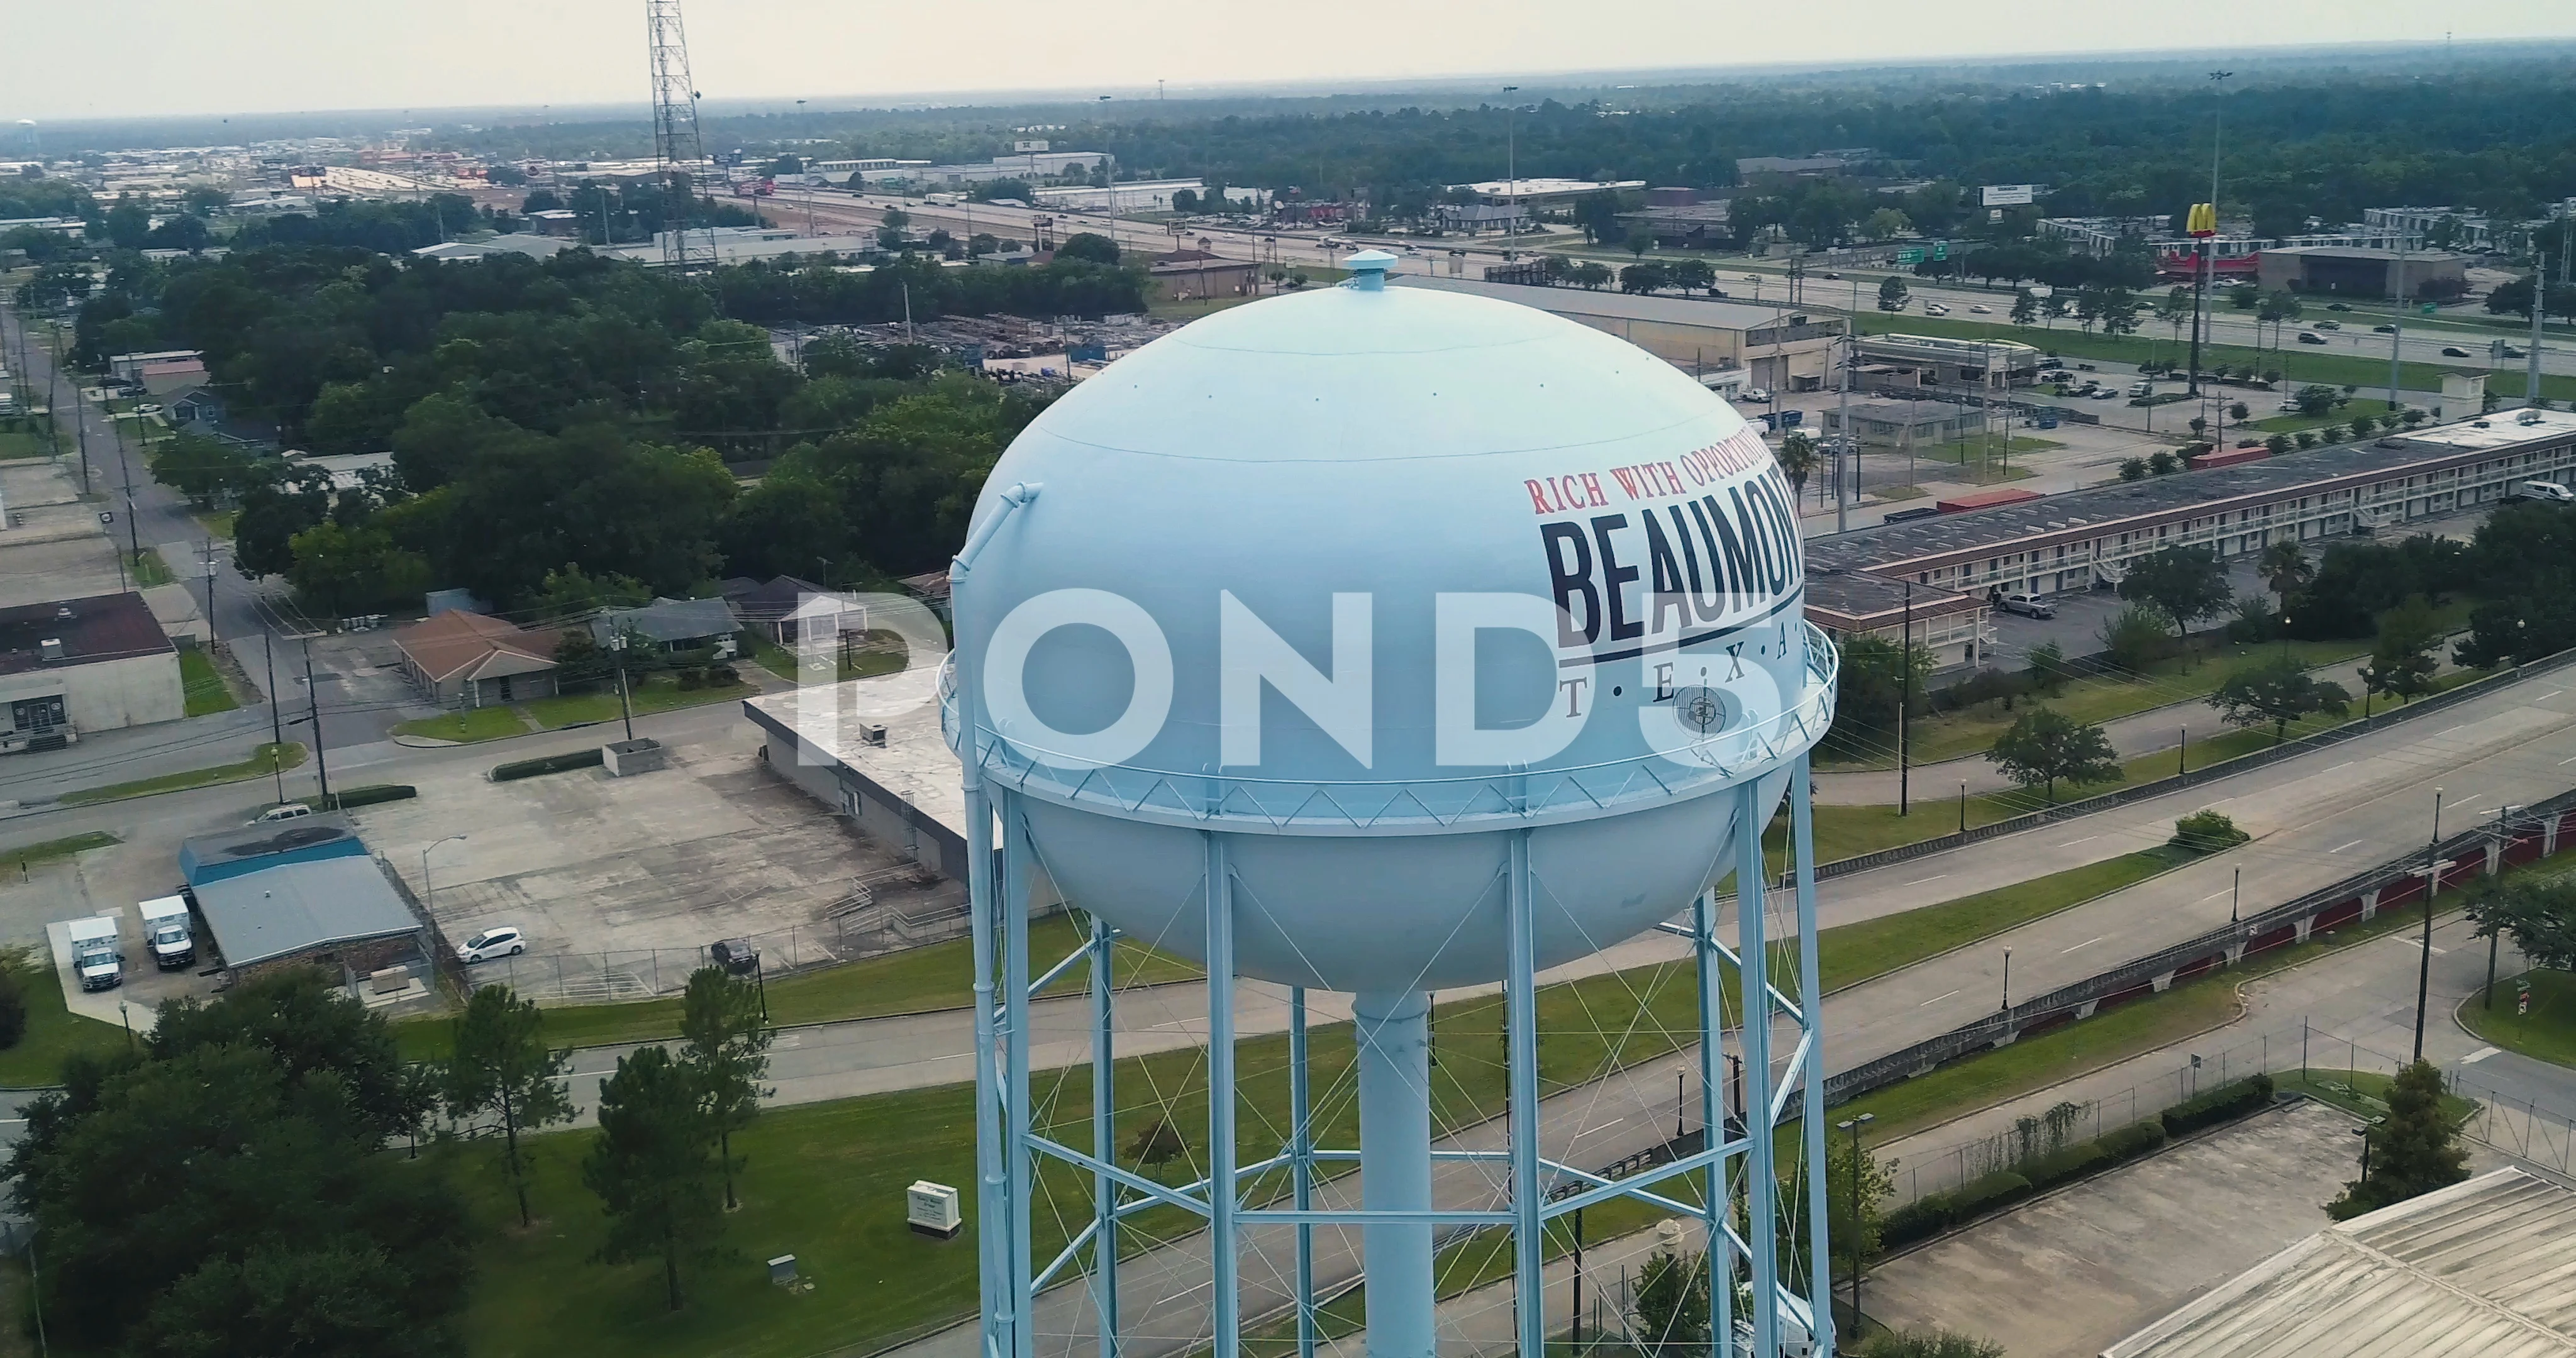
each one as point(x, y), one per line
point(2547, 491)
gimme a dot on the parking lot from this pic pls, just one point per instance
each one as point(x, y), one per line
point(620, 883)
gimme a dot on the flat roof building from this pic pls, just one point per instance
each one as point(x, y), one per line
point(1897, 424)
point(339, 912)
point(1784, 349)
point(1938, 360)
point(2359, 271)
point(1543, 193)
point(75, 666)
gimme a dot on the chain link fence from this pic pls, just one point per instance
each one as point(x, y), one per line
point(2510, 1125)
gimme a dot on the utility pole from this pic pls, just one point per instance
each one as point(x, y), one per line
point(2397, 320)
point(211, 636)
point(313, 714)
point(617, 652)
point(2539, 296)
point(1511, 177)
point(2432, 882)
point(2504, 840)
point(1904, 699)
point(1844, 445)
point(276, 715)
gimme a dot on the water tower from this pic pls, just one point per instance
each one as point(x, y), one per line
point(1383, 640)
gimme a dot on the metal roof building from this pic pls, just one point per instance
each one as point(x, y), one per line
point(259, 847)
point(2479, 1268)
point(303, 910)
point(1781, 346)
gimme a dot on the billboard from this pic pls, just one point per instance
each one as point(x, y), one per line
point(2011, 195)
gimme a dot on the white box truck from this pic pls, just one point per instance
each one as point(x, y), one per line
point(96, 953)
point(165, 931)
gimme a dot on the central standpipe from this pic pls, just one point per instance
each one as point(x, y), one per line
point(1393, 1032)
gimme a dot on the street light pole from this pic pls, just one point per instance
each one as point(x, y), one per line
point(1511, 177)
point(2432, 882)
point(2007, 1007)
point(428, 888)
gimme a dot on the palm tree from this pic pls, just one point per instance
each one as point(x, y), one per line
point(1797, 458)
point(2284, 567)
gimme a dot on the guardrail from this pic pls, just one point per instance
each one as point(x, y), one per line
point(2243, 763)
point(2531, 833)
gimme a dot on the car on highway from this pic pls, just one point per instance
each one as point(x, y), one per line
point(2338, 306)
point(2311, 337)
point(499, 941)
point(1835, 276)
point(1981, 309)
point(2512, 352)
point(2329, 325)
point(2027, 605)
point(2106, 394)
point(1935, 309)
point(2383, 330)
point(1753, 278)
point(2454, 351)
point(283, 811)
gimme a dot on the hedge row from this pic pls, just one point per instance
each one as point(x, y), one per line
point(370, 795)
point(2213, 1106)
point(553, 763)
point(1934, 1213)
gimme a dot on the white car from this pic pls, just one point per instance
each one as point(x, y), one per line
point(1935, 309)
point(2028, 605)
point(1981, 309)
point(1757, 395)
point(285, 811)
point(503, 941)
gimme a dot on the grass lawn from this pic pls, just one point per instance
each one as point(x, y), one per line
point(2362, 1093)
point(269, 759)
point(654, 693)
point(206, 689)
point(53, 1032)
point(2095, 699)
point(1852, 953)
point(856, 664)
point(149, 569)
point(2293, 422)
point(1962, 452)
point(27, 441)
point(2547, 1033)
point(218, 522)
point(932, 977)
point(467, 725)
point(57, 848)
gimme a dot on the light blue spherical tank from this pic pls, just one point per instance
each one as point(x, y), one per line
point(1368, 579)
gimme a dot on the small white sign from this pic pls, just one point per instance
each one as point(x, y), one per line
point(2010, 195)
point(931, 1209)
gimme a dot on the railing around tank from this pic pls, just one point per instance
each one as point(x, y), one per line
point(1415, 805)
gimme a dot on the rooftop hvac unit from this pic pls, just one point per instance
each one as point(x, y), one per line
point(872, 734)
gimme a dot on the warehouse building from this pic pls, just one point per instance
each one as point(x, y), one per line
point(2359, 271)
point(1779, 348)
point(874, 753)
point(1901, 424)
point(1938, 361)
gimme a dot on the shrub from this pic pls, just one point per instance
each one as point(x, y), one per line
point(723, 675)
point(13, 1002)
point(2213, 1106)
point(2278, 443)
point(2066, 1163)
point(553, 763)
point(1987, 1192)
point(693, 677)
point(370, 795)
point(1921, 1219)
point(2134, 1140)
point(2207, 831)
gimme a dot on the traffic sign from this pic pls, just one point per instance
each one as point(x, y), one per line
point(1912, 254)
point(1940, 249)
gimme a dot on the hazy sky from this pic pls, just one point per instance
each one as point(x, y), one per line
point(115, 58)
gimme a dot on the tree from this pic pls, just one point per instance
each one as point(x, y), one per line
point(2278, 691)
point(2133, 469)
point(1885, 224)
point(1597, 213)
point(2538, 912)
point(1875, 677)
point(725, 1040)
point(2025, 307)
point(2315, 399)
point(2402, 664)
point(225, 1189)
point(1852, 1224)
point(2187, 583)
point(2284, 566)
point(1589, 274)
point(1892, 294)
point(2136, 636)
point(653, 1166)
point(1644, 278)
point(1158, 1144)
point(1798, 459)
point(2239, 411)
point(2045, 745)
point(344, 571)
point(2413, 1152)
point(1638, 243)
point(2163, 463)
point(1672, 1304)
point(500, 1065)
point(2048, 672)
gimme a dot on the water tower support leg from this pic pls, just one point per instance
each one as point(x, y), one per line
point(1713, 1124)
point(1529, 1239)
point(993, 1241)
point(1301, 1169)
point(1015, 1071)
point(1811, 1117)
point(1104, 1138)
point(1225, 1327)
point(1760, 1170)
point(1392, 1031)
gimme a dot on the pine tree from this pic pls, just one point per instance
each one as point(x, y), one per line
point(726, 1044)
point(2415, 1151)
point(500, 1065)
point(653, 1166)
